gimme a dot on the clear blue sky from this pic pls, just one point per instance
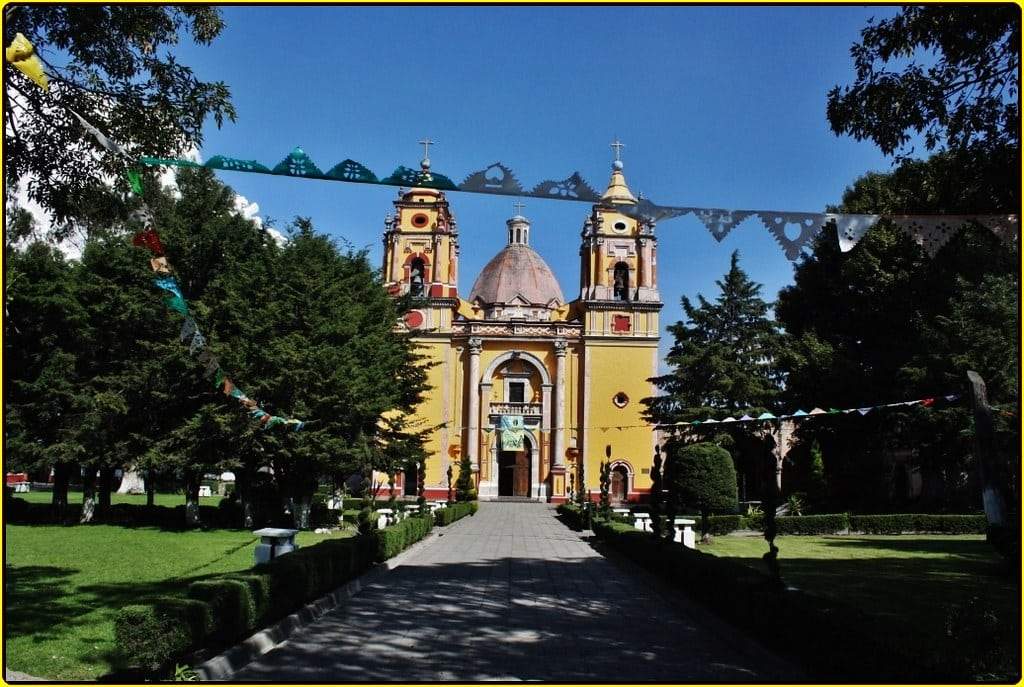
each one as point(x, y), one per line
point(718, 106)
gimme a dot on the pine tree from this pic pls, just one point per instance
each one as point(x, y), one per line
point(723, 358)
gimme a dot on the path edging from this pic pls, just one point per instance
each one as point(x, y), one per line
point(226, 664)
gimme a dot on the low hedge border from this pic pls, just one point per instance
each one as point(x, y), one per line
point(901, 523)
point(152, 636)
point(454, 511)
point(818, 633)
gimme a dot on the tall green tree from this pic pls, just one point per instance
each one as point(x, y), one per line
point(723, 358)
point(114, 65)
point(44, 337)
point(884, 323)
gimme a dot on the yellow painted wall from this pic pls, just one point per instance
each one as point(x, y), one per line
point(615, 367)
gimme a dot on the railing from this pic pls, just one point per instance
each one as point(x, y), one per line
point(515, 408)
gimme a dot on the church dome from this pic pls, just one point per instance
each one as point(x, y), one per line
point(516, 271)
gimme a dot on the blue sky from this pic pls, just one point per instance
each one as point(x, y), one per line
point(718, 107)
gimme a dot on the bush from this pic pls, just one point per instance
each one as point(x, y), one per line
point(150, 636)
point(724, 524)
point(816, 632)
point(224, 610)
point(812, 524)
point(394, 539)
point(456, 511)
point(232, 606)
point(700, 476)
point(898, 523)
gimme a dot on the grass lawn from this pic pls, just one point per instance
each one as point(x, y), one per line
point(912, 579)
point(63, 586)
point(138, 499)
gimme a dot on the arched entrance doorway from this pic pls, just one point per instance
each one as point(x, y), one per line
point(620, 485)
point(514, 471)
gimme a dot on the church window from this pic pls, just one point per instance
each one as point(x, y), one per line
point(620, 226)
point(416, 271)
point(516, 392)
point(620, 323)
point(420, 220)
point(621, 281)
point(621, 400)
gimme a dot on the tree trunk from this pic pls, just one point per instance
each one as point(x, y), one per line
point(88, 495)
point(61, 477)
point(192, 499)
point(300, 511)
point(106, 486)
point(993, 473)
point(243, 487)
point(705, 527)
point(132, 482)
point(150, 488)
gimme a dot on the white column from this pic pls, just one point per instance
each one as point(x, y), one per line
point(558, 406)
point(473, 389)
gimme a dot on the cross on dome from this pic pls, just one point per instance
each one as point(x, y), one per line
point(617, 146)
point(426, 143)
point(517, 207)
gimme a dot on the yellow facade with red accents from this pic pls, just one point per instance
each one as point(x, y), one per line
point(572, 371)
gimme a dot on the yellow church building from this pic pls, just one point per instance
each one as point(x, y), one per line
point(529, 385)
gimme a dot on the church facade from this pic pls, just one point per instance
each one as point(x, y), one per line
point(536, 389)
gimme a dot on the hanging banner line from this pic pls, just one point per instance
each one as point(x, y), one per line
point(190, 334)
point(931, 232)
point(793, 231)
point(815, 413)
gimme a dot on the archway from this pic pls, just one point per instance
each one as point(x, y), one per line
point(620, 485)
point(514, 470)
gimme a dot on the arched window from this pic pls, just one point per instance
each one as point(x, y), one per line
point(416, 271)
point(621, 281)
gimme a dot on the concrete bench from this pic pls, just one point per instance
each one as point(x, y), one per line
point(642, 521)
point(684, 532)
point(274, 542)
point(385, 517)
point(205, 490)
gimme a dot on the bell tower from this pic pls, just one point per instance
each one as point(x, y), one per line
point(618, 262)
point(421, 253)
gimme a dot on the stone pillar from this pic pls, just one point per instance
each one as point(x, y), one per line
point(436, 267)
point(558, 406)
point(473, 389)
point(486, 474)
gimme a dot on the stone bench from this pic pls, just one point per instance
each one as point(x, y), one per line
point(205, 490)
point(274, 542)
point(684, 532)
point(642, 521)
point(21, 487)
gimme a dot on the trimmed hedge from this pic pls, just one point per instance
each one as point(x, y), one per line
point(898, 523)
point(151, 635)
point(816, 632)
point(221, 611)
point(394, 539)
point(454, 511)
point(812, 524)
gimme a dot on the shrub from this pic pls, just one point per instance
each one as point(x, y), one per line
point(393, 539)
point(465, 490)
point(231, 603)
point(150, 636)
point(897, 523)
point(818, 633)
point(456, 511)
point(812, 524)
point(701, 476)
point(724, 524)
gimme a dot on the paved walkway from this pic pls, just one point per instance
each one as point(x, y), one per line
point(513, 594)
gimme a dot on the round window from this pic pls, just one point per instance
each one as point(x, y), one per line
point(413, 319)
point(621, 400)
point(420, 220)
point(620, 226)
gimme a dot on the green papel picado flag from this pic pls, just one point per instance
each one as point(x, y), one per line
point(512, 432)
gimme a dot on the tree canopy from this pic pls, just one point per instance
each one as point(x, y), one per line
point(113, 65)
point(701, 477)
point(946, 72)
point(723, 356)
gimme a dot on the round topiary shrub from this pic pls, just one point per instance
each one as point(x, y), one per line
point(701, 477)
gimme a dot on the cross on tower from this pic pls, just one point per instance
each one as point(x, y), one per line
point(518, 206)
point(426, 143)
point(617, 147)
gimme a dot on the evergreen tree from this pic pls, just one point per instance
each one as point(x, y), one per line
point(464, 487)
point(724, 356)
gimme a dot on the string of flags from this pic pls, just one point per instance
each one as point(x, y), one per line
point(190, 333)
point(815, 413)
point(793, 231)
point(21, 54)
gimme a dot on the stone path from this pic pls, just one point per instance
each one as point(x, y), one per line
point(513, 594)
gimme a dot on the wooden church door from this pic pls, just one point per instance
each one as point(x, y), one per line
point(521, 474)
